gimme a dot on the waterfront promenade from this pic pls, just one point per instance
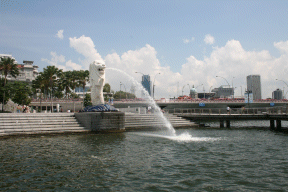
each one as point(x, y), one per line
point(270, 114)
point(76, 105)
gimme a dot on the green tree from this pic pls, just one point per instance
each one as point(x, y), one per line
point(20, 93)
point(87, 100)
point(123, 95)
point(83, 78)
point(4, 98)
point(66, 82)
point(47, 81)
point(7, 66)
point(107, 88)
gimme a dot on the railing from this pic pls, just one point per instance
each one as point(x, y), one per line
point(57, 100)
point(236, 111)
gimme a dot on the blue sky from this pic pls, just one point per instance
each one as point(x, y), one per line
point(188, 42)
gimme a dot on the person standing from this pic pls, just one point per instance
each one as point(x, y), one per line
point(228, 110)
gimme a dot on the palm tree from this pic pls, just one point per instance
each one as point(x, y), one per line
point(50, 75)
point(66, 82)
point(83, 79)
point(8, 66)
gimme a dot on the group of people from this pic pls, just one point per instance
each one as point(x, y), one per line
point(23, 109)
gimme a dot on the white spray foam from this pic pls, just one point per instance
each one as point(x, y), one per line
point(157, 111)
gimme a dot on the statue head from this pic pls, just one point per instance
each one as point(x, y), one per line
point(100, 67)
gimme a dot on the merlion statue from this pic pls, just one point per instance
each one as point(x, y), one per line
point(97, 80)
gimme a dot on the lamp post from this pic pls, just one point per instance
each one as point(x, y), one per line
point(189, 87)
point(233, 87)
point(182, 89)
point(204, 91)
point(125, 89)
point(120, 90)
point(225, 80)
point(154, 84)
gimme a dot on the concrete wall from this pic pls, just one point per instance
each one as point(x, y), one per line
point(102, 121)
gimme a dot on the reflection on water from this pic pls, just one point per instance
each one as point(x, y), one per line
point(193, 160)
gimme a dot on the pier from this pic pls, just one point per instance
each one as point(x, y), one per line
point(275, 116)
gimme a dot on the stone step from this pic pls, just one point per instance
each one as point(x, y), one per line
point(17, 124)
point(42, 131)
point(24, 126)
point(136, 121)
point(13, 121)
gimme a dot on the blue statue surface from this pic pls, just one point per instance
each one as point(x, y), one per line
point(99, 108)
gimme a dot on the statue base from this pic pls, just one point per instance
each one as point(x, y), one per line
point(102, 121)
point(99, 108)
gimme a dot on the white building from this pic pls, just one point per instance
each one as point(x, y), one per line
point(27, 71)
point(224, 91)
point(254, 86)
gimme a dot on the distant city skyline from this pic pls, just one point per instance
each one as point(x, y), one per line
point(188, 42)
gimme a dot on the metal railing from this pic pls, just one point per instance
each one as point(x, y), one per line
point(236, 111)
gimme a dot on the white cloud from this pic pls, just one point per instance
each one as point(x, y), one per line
point(209, 39)
point(231, 62)
point(145, 61)
point(60, 34)
point(188, 40)
point(85, 46)
point(59, 62)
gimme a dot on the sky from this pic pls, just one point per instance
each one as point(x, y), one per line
point(189, 42)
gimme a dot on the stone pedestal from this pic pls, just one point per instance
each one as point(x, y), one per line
point(102, 121)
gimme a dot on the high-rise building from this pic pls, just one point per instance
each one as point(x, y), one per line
point(146, 83)
point(254, 86)
point(277, 94)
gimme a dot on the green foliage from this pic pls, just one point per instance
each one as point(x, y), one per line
point(123, 95)
point(47, 81)
point(21, 93)
point(87, 100)
point(18, 92)
point(74, 96)
point(3, 90)
point(107, 88)
point(8, 66)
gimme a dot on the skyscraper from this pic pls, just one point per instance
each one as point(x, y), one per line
point(277, 94)
point(254, 86)
point(146, 83)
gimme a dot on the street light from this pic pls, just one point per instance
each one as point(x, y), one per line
point(283, 87)
point(125, 89)
point(182, 89)
point(225, 80)
point(154, 83)
point(233, 87)
point(189, 87)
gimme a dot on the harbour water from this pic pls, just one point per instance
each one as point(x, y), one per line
point(208, 159)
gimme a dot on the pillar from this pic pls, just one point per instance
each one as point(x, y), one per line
point(228, 123)
point(221, 123)
point(278, 124)
point(272, 124)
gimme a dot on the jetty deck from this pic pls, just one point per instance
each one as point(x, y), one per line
point(256, 114)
